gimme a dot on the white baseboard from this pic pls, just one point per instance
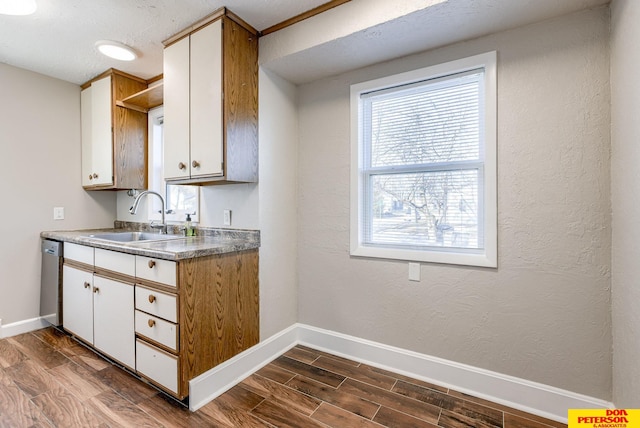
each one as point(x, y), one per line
point(24, 326)
point(210, 384)
point(532, 397)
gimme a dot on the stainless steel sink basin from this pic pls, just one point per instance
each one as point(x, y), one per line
point(133, 236)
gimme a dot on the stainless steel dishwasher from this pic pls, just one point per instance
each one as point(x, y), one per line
point(51, 282)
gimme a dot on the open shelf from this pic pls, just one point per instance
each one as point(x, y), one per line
point(144, 100)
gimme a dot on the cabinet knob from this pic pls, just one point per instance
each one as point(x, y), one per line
point(151, 264)
point(90, 177)
point(87, 285)
point(96, 290)
point(151, 323)
point(152, 298)
point(195, 164)
point(181, 166)
point(95, 175)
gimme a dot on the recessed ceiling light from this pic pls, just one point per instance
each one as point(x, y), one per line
point(115, 50)
point(18, 7)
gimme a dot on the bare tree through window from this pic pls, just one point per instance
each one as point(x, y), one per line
point(424, 164)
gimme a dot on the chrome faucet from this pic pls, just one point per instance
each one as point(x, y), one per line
point(136, 202)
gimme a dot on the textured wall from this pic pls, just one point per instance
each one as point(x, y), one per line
point(278, 211)
point(544, 314)
point(625, 188)
point(40, 144)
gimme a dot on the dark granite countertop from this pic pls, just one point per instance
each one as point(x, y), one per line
point(208, 242)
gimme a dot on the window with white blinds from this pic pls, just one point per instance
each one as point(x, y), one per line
point(423, 164)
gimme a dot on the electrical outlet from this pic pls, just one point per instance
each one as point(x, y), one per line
point(227, 218)
point(414, 271)
point(58, 213)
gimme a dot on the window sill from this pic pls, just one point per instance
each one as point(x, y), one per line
point(445, 256)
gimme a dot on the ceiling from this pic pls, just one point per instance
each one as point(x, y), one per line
point(58, 40)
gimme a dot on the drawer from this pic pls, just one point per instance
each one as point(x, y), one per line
point(115, 261)
point(157, 365)
point(156, 270)
point(157, 329)
point(79, 253)
point(156, 303)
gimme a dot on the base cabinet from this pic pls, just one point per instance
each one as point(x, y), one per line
point(77, 302)
point(113, 324)
point(169, 321)
point(100, 308)
point(159, 366)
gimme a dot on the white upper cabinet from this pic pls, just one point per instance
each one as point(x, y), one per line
point(177, 157)
point(97, 154)
point(206, 101)
point(211, 103)
point(114, 138)
point(193, 105)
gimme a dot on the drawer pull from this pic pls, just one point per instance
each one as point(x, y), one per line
point(96, 290)
point(151, 323)
point(151, 264)
point(152, 298)
point(87, 285)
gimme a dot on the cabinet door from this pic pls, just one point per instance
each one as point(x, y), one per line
point(176, 110)
point(113, 315)
point(206, 101)
point(85, 121)
point(77, 302)
point(101, 132)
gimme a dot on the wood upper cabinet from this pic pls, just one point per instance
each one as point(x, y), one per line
point(114, 138)
point(211, 103)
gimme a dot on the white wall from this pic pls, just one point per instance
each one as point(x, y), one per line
point(544, 314)
point(40, 145)
point(278, 209)
point(625, 188)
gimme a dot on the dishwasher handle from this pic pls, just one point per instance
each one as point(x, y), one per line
point(52, 248)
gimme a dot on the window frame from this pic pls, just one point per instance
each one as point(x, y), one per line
point(487, 194)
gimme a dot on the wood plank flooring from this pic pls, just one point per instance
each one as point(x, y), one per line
point(47, 379)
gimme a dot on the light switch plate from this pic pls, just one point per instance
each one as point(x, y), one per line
point(414, 271)
point(58, 213)
point(227, 218)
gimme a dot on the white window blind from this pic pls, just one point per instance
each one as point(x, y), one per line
point(421, 167)
point(423, 163)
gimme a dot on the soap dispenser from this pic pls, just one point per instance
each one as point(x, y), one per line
point(188, 227)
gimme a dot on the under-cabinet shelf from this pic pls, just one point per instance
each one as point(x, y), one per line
point(144, 100)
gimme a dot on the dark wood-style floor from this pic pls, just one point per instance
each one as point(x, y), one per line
point(47, 379)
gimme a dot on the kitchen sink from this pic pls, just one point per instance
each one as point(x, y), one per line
point(133, 236)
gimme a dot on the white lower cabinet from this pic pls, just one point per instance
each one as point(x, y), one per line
point(158, 365)
point(104, 307)
point(113, 319)
point(157, 329)
point(162, 318)
point(157, 303)
point(100, 309)
point(77, 302)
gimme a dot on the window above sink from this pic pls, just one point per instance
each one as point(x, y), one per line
point(179, 199)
